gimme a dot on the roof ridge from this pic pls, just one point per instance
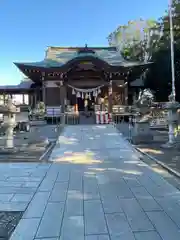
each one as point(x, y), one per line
point(80, 47)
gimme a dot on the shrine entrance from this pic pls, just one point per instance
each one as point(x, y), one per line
point(87, 102)
point(87, 84)
point(86, 110)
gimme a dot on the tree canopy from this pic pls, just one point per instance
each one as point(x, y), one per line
point(149, 40)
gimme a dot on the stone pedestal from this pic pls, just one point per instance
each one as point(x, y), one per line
point(172, 123)
point(142, 133)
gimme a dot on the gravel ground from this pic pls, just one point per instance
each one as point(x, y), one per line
point(169, 157)
point(33, 146)
point(8, 222)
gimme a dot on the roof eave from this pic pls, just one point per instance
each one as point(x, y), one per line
point(25, 65)
point(105, 64)
point(135, 64)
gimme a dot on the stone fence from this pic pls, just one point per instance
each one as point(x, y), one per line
point(157, 113)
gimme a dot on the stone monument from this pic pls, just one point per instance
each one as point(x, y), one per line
point(141, 132)
point(9, 111)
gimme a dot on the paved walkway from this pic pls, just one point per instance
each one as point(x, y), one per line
point(97, 189)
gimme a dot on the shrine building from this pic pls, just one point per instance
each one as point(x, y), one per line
point(70, 76)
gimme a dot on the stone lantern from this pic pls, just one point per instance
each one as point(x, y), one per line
point(172, 108)
point(9, 111)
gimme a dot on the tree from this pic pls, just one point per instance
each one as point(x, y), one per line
point(136, 39)
point(160, 78)
point(151, 41)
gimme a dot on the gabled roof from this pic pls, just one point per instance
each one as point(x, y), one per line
point(59, 56)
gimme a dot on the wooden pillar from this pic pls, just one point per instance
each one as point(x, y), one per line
point(126, 95)
point(35, 98)
point(110, 89)
point(44, 93)
point(30, 99)
point(23, 99)
point(4, 98)
point(63, 97)
point(38, 95)
point(44, 88)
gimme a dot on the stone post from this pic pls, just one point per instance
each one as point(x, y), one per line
point(141, 132)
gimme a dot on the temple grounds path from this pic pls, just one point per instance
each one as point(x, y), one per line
point(94, 188)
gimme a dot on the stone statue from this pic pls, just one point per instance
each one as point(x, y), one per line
point(142, 133)
point(143, 103)
point(145, 98)
point(171, 98)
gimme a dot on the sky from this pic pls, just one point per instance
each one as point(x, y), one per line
point(28, 27)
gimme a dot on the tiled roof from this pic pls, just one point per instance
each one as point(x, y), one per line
point(62, 56)
point(137, 83)
point(57, 57)
point(22, 85)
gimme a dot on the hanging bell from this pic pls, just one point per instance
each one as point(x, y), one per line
point(78, 95)
point(73, 91)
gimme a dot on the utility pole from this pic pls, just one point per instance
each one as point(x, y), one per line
point(172, 51)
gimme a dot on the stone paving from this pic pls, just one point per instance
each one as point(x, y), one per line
point(95, 189)
point(18, 184)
